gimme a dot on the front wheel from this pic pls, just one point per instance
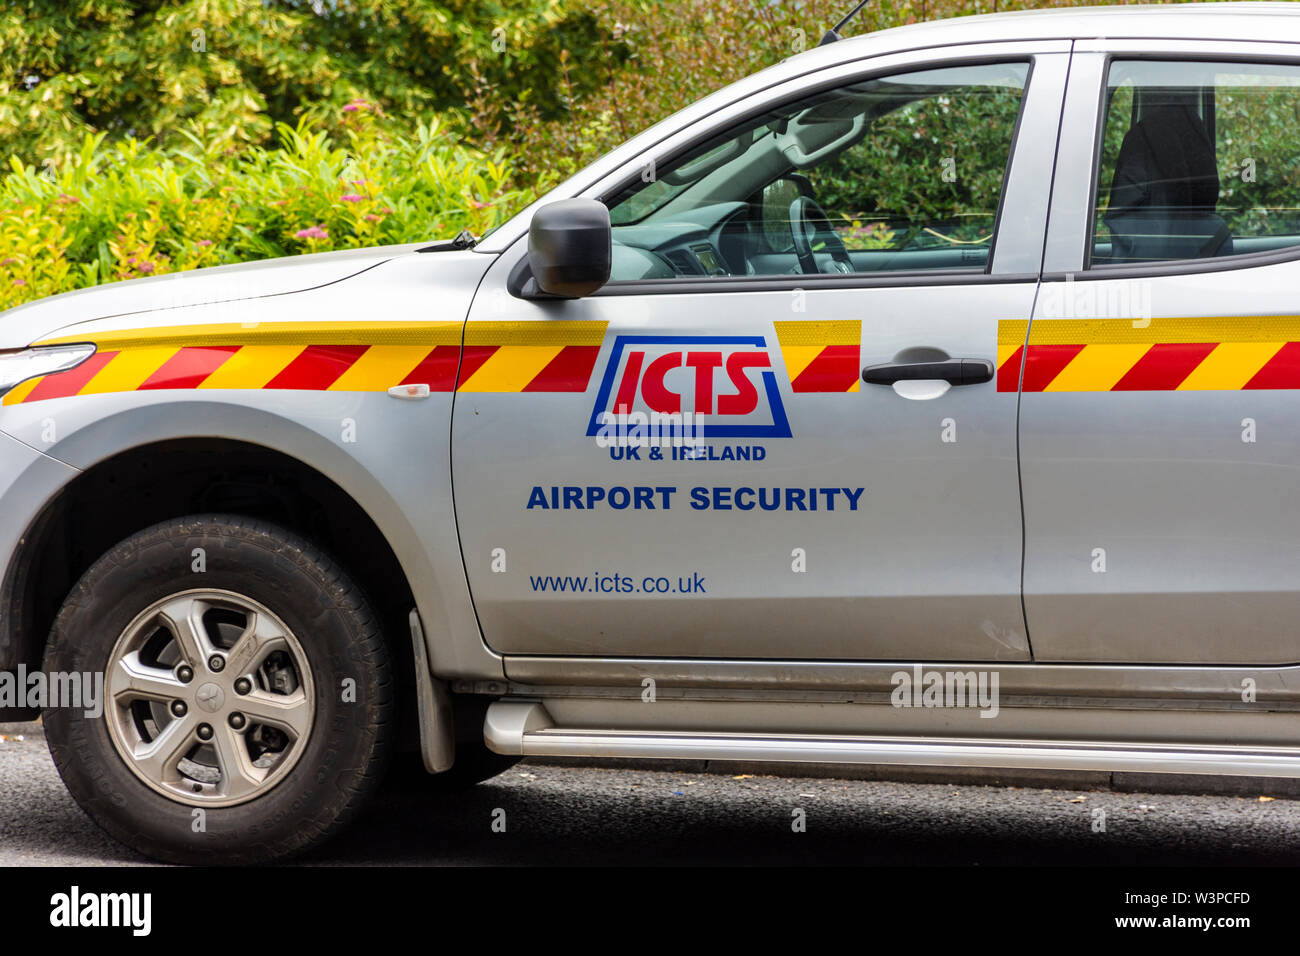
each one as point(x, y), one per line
point(248, 694)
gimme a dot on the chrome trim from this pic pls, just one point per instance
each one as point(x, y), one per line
point(1112, 685)
point(913, 751)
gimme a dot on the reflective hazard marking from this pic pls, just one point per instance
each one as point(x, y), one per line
point(542, 356)
point(1161, 354)
point(821, 356)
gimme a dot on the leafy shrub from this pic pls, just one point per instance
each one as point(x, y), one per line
point(126, 210)
point(229, 70)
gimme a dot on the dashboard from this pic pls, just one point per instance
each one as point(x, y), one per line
point(711, 240)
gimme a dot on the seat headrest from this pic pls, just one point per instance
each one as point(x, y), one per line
point(1166, 160)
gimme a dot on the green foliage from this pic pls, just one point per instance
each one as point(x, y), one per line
point(937, 162)
point(126, 210)
point(227, 71)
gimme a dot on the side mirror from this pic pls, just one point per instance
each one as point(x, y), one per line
point(570, 249)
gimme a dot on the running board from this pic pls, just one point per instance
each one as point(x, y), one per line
point(525, 728)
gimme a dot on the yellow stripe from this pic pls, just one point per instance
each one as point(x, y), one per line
point(1012, 332)
point(799, 357)
point(1005, 351)
point(1097, 368)
point(252, 366)
point(541, 332)
point(278, 333)
point(805, 333)
point(21, 390)
point(1194, 329)
point(380, 368)
point(1230, 366)
point(510, 368)
point(128, 370)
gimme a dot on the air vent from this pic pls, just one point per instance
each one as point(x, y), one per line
point(684, 263)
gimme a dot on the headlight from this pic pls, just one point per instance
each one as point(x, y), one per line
point(17, 367)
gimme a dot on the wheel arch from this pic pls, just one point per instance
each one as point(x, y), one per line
point(135, 488)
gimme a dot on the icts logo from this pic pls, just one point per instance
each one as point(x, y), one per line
point(697, 386)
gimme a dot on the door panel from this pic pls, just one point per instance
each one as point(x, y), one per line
point(1160, 413)
point(919, 557)
point(821, 518)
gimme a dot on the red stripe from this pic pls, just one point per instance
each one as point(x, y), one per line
point(63, 384)
point(472, 360)
point(1163, 367)
point(1045, 362)
point(437, 369)
point(190, 366)
point(835, 369)
point(317, 367)
point(1281, 371)
point(1009, 372)
point(570, 371)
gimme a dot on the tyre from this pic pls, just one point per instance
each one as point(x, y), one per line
point(248, 694)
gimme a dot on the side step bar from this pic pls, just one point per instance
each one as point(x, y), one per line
point(525, 728)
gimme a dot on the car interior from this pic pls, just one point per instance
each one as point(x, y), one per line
point(1165, 189)
point(748, 204)
point(1178, 176)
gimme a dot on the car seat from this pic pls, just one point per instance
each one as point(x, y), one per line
point(1165, 191)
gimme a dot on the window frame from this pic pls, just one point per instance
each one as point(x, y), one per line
point(1027, 54)
point(1167, 267)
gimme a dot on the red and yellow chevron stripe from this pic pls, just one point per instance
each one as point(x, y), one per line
point(1227, 353)
point(547, 356)
point(821, 356)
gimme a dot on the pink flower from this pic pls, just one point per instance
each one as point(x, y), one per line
point(352, 197)
point(372, 217)
point(314, 232)
point(204, 242)
point(145, 267)
point(475, 204)
point(19, 282)
point(356, 105)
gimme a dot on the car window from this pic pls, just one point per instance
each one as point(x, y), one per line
point(898, 173)
point(1197, 160)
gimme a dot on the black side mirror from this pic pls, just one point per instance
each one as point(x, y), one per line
point(570, 248)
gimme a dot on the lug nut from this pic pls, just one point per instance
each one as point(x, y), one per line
point(178, 708)
point(216, 662)
point(185, 673)
point(237, 720)
point(205, 732)
point(243, 686)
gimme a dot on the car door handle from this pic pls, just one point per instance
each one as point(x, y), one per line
point(958, 371)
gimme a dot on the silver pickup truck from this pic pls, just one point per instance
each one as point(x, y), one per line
point(729, 447)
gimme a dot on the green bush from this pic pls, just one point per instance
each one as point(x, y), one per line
point(230, 70)
point(125, 210)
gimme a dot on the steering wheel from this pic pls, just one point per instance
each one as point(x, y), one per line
point(812, 231)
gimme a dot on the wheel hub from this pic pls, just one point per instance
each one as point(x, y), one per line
point(210, 698)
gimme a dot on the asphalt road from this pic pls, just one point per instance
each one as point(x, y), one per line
point(573, 815)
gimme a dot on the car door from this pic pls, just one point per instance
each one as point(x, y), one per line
point(1160, 417)
point(689, 463)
